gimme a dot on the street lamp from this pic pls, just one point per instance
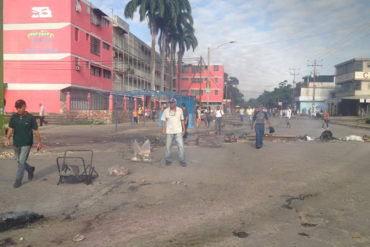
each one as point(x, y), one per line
point(209, 66)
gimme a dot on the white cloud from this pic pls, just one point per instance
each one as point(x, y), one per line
point(272, 36)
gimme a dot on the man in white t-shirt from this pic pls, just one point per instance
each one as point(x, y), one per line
point(288, 116)
point(241, 112)
point(219, 116)
point(174, 129)
point(42, 114)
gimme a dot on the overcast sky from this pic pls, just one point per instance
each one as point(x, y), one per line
point(272, 36)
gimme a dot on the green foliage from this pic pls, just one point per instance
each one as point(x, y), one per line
point(367, 120)
point(283, 94)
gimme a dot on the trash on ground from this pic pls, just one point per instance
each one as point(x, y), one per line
point(118, 171)
point(240, 234)
point(355, 235)
point(304, 234)
point(6, 242)
point(366, 138)
point(353, 138)
point(243, 136)
point(230, 138)
point(79, 237)
point(271, 130)
point(305, 138)
point(10, 220)
point(7, 155)
point(141, 153)
point(326, 135)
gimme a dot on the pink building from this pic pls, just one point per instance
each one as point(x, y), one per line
point(194, 83)
point(58, 53)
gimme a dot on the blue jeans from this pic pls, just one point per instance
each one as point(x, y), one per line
point(180, 146)
point(21, 155)
point(260, 132)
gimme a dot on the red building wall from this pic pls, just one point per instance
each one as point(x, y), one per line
point(193, 79)
point(40, 51)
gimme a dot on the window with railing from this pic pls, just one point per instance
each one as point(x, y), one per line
point(107, 74)
point(95, 46)
point(196, 80)
point(215, 68)
point(95, 71)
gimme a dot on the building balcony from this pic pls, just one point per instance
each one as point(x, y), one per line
point(120, 66)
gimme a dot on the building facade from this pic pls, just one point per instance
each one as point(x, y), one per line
point(352, 94)
point(194, 83)
point(314, 93)
point(69, 55)
point(131, 61)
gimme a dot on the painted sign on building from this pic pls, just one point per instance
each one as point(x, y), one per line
point(41, 12)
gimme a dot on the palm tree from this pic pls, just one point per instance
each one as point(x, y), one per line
point(149, 9)
point(176, 38)
point(169, 26)
point(186, 40)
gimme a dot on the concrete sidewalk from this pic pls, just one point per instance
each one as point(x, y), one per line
point(354, 122)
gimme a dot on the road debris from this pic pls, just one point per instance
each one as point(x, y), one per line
point(326, 135)
point(141, 153)
point(79, 237)
point(10, 220)
point(355, 235)
point(118, 171)
point(305, 138)
point(353, 138)
point(241, 234)
point(6, 155)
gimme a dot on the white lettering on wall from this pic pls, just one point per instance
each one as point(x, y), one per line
point(41, 12)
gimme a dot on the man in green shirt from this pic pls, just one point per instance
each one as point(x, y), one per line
point(23, 125)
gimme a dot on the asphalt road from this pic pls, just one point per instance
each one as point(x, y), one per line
point(285, 194)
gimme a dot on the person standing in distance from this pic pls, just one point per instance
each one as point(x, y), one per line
point(22, 125)
point(175, 130)
point(258, 124)
point(42, 114)
point(219, 118)
point(186, 118)
point(288, 116)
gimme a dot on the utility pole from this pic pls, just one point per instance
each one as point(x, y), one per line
point(314, 65)
point(1, 71)
point(293, 72)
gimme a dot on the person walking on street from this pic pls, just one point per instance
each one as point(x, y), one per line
point(250, 115)
point(241, 112)
point(199, 116)
point(175, 130)
point(258, 124)
point(325, 120)
point(208, 116)
point(154, 112)
point(288, 116)
point(42, 114)
point(186, 118)
point(22, 126)
point(219, 117)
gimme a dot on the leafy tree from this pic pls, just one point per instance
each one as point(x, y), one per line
point(150, 10)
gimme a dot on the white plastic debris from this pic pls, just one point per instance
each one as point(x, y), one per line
point(118, 171)
point(141, 153)
point(354, 138)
